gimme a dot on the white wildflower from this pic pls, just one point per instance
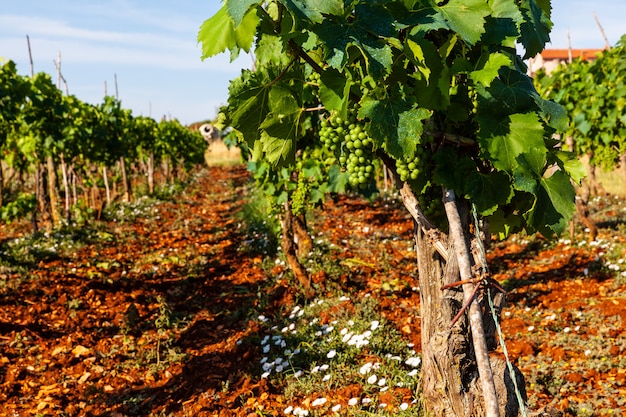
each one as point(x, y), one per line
point(318, 402)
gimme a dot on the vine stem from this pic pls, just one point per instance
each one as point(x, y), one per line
point(475, 315)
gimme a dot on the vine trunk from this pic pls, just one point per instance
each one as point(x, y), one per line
point(451, 385)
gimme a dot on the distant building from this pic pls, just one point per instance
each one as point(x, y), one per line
point(549, 59)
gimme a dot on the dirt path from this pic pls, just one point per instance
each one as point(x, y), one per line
point(146, 317)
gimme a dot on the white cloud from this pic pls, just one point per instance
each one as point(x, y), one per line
point(111, 47)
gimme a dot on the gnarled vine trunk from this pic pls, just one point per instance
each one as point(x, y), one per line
point(290, 249)
point(450, 379)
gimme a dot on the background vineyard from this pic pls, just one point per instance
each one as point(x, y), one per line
point(64, 160)
point(313, 127)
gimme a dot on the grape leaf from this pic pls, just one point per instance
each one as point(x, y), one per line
point(502, 27)
point(460, 173)
point(554, 204)
point(281, 129)
point(432, 77)
point(506, 9)
point(314, 10)
point(511, 92)
point(370, 23)
point(248, 104)
point(466, 17)
point(218, 33)
point(488, 191)
point(553, 113)
point(572, 165)
point(452, 178)
point(505, 139)
point(335, 91)
point(504, 224)
point(490, 70)
point(238, 9)
point(535, 30)
point(394, 125)
point(269, 50)
point(337, 180)
point(422, 21)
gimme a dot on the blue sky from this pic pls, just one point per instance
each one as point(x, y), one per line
point(151, 47)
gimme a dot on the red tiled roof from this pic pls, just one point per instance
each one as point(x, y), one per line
point(576, 53)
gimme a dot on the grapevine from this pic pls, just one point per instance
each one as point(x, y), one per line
point(435, 90)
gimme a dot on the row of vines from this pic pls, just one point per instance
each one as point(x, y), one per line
point(63, 159)
point(593, 94)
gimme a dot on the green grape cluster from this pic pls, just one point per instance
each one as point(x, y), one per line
point(409, 168)
point(299, 198)
point(314, 77)
point(355, 149)
point(473, 96)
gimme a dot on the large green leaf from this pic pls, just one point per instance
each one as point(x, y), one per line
point(489, 70)
point(505, 139)
point(572, 165)
point(218, 33)
point(270, 50)
point(432, 77)
point(335, 91)
point(239, 8)
point(503, 224)
point(248, 105)
point(535, 30)
point(502, 27)
point(337, 180)
point(489, 191)
point(466, 17)
point(511, 92)
point(314, 10)
point(281, 128)
point(554, 204)
point(394, 125)
point(553, 114)
point(370, 23)
point(460, 173)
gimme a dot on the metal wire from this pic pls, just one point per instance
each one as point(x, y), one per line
point(509, 365)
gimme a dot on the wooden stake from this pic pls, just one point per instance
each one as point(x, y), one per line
point(606, 40)
point(569, 49)
point(30, 55)
point(475, 314)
